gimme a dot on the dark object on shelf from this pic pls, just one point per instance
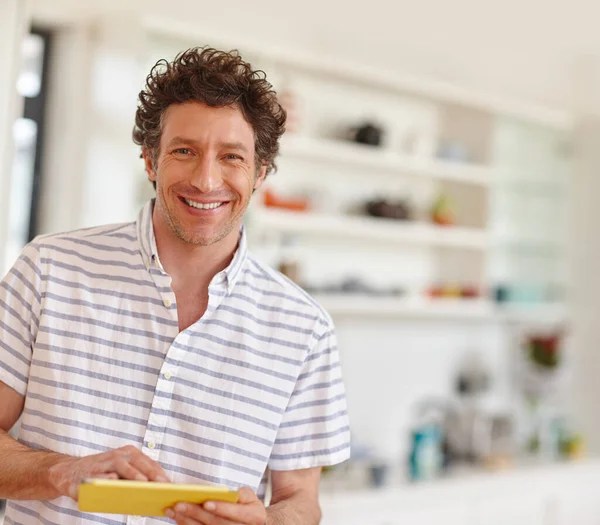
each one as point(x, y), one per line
point(368, 134)
point(472, 383)
point(354, 287)
point(388, 210)
point(468, 426)
point(501, 293)
point(378, 473)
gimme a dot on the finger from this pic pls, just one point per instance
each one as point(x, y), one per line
point(125, 469)
point(150, 468)
point(197, 514)
point(249, 509)
point(73, 491)
point(181, 519)
point(109, 475)
point(229, 511)
point(74, 487)
point(247, 495)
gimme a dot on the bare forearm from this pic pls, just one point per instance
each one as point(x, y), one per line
point(296, 510)
point(24, 472)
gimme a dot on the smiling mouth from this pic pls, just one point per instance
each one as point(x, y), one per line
point(203, 206)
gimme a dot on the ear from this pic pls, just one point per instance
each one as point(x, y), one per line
point(262, 173)
point(147, 156)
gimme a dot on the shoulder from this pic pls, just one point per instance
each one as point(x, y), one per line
point(110, 237)
point(276, 289)
point(95, 249)
point(124, 230)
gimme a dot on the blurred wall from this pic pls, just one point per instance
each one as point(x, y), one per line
point(93, 173)
point(99, 46)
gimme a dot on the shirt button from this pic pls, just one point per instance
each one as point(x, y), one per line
point(167, 303)
point(168, 375)
point(151, 445)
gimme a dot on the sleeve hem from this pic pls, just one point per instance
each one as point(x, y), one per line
point(310, 461)
point(13, 382)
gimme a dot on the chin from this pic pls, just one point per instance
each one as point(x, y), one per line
point(201, 239)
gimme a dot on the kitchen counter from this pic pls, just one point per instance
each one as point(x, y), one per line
point(540, 494)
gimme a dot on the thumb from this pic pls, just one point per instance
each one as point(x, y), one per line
point(246, 495)
point(73, 491)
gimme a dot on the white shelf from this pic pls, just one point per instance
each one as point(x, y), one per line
point(348, 305)
point(377, 159)
point(368, 228)
point(532, 314)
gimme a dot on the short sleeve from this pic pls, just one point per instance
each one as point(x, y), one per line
point(315, 429)
point(20, 303)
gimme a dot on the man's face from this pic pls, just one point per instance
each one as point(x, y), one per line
point(205, 172)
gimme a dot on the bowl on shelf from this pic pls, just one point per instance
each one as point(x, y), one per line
point(390, 210)
point(273, 200)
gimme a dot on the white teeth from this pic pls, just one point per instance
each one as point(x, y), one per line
point(200, 206)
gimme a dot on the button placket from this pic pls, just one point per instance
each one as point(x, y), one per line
point(158, 418)
point(215, 297)
point(162, 281)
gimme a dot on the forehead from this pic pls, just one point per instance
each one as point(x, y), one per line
point(205, 124)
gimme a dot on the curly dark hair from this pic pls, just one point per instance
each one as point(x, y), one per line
point(215, 78)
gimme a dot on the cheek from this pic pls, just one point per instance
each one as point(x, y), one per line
point(243, 184)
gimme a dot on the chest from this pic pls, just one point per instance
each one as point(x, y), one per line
point(127, 374)
point(190, 307)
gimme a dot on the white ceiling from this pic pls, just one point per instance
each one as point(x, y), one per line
point(524, 48)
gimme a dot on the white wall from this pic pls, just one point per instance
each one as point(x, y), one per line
point(392, 365)
point(585, 250)
point(512, 47)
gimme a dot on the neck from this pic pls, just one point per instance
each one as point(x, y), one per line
point(189, 265)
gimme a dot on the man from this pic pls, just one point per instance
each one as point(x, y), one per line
point(161, 349)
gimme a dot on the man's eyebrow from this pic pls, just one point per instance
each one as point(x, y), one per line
point(234, 145)
point(181, 140)
point(239, 146)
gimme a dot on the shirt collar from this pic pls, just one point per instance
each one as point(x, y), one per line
point(145, 233)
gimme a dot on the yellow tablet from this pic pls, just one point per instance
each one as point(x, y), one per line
point(144, 498)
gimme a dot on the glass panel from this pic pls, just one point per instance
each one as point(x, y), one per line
point(529, 211)
point(25, 132)
point(25, 136)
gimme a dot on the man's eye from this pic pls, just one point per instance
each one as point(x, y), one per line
point(182, 151)
point(233, 156)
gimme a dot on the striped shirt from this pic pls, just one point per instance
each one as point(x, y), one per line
point(89, 335)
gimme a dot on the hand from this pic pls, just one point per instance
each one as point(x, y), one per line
point(126, 463)
point(249, 510)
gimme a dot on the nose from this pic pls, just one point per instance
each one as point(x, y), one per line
point(206, 176)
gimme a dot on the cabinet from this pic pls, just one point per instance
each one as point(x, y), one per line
point(502, 164)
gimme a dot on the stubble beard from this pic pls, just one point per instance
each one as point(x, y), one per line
point(196, 239)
